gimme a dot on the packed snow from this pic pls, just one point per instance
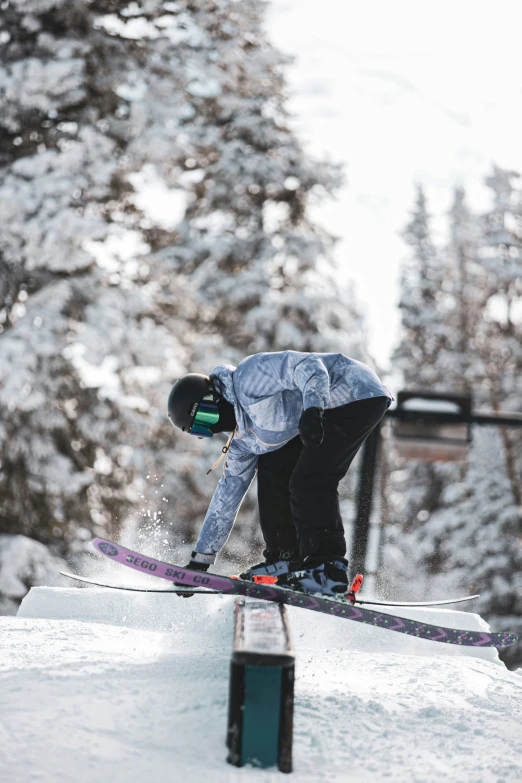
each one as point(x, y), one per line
point(23, 563)
point(104, 685)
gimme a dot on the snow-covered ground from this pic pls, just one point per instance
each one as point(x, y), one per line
point(101, 685)
point(25, 562)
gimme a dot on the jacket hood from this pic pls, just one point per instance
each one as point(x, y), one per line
point(222, 376)
point(223, 379)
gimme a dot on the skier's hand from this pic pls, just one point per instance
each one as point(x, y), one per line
point(311, 428)
point(194, 566)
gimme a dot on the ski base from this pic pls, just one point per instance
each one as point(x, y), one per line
point(331, 606)
point(353, 591)
point(170, 590)
point(413, 604)
point(206, 591)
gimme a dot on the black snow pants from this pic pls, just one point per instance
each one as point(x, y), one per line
point(298, 486)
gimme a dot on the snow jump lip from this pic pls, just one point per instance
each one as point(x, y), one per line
point(346, 610)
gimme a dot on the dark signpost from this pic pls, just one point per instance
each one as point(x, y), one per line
point(429, 426)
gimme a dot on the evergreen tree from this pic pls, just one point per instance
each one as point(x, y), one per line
point(82, 351)
point(422, 351)
point(422, 356)
point(487, 519)
point(478, 536)
point(469, 537)
point(500, 345)
point(439, 303)
point(262, 272)
point(153, 211)
point(464, 280)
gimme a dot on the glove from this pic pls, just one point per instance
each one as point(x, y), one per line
point(194, 565)
point(311, 428)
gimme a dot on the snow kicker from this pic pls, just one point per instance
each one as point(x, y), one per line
point(331, 606)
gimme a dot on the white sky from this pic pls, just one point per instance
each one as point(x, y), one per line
point(401, 91)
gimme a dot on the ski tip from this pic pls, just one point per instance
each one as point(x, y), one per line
point(507, 639)
point(105, 547)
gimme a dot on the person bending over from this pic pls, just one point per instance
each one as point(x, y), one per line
point(298, 420)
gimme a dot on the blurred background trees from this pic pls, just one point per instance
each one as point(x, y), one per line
point(154, 219)
point(153, 204)
point(462, 525)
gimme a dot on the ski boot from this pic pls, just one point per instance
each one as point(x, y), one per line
point(275, 566)
point(328, 577)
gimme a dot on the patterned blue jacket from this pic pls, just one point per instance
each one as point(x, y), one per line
point(269, 392)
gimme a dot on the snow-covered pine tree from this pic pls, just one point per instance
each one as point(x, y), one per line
point(117, 119)
point(470, 539)
point(421, 352)
point(261, 268)
point(501, 346)
point(423, 358)
point(464, 282)
point(487, 517)
point(428, 493)
point(49, 446)
point(263, 272)
point(81, 347)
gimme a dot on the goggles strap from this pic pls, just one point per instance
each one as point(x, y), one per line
point(224, 453)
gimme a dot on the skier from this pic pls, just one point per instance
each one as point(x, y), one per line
point(299, 419)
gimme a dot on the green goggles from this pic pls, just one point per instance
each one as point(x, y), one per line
point(207, 414)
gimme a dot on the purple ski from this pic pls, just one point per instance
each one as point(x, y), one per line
point(339, 608)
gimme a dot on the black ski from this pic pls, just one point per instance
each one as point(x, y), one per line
point(204, 591)
point(175, 590)
point(417, 603)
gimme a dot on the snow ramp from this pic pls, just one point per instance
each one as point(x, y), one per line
point(103, 685)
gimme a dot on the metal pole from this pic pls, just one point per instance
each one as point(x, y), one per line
point(361, 527)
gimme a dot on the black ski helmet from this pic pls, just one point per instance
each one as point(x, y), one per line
point(184, 398)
